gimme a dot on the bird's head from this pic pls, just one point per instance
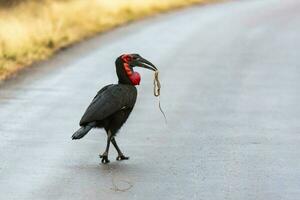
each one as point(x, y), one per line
point(124, 67)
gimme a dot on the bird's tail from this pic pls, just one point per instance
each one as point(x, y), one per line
point(80, 133)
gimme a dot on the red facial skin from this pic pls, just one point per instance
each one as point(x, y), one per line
point(126, 58)
point(133, 76)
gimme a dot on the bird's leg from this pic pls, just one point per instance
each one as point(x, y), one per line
point(104, 156)
point(120, 154)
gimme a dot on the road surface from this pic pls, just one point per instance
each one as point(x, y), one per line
point(231, 82)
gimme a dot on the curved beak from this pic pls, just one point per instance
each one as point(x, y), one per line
point(142, 62)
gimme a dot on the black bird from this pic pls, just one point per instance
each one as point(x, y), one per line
point(113, 104)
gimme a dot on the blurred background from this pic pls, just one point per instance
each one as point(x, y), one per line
point(31, 30)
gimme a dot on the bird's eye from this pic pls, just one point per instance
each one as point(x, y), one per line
point(126, 58)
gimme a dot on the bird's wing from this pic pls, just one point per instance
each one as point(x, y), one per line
point(99, 93)
point(108, 100)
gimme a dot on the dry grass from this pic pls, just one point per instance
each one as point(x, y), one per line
point(33, 31)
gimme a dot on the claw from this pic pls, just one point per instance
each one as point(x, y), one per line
point(122, 157)
point(104, 159)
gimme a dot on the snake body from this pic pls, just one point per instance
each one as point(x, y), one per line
point(156, 92)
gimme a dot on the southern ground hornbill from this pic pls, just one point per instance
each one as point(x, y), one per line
point(113, 104)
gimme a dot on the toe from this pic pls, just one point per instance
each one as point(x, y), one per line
point(105, 160)
point(122, 157)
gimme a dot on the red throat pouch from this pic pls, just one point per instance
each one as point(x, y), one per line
point(135, 78)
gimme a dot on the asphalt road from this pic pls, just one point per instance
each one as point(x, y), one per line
point(231, 82)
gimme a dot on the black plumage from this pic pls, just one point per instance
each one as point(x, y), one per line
point(113, 104)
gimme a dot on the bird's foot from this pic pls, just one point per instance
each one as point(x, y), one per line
point(122, 157)
point(104, 158)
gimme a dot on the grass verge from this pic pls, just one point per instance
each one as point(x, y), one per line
point(33, 31)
